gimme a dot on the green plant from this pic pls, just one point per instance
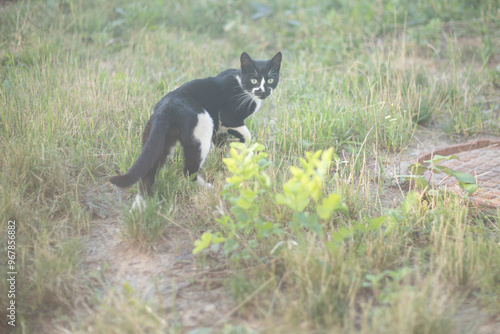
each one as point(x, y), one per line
point(246, 187)
point(244, 190)
point(306, 185)
point(409, 215)
point(146, 225)
point(385, 285)
point(466, 181)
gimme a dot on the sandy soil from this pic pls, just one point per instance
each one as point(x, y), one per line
point(168, 277)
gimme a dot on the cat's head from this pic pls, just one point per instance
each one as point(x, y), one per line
point(260, 77)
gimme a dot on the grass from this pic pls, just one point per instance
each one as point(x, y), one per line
point(78, 80)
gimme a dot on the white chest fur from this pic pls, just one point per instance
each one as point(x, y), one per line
point(258, 103)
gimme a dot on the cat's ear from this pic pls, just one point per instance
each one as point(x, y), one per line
point(276, 60)
point(245, 60)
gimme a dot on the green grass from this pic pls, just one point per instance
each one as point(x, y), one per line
point(78, 80)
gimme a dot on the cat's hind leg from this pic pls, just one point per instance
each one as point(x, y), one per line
point(145, 185)
point(148, 180)
point(197, 146)
point(139, 203)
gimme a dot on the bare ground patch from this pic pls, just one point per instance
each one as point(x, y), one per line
point(167, 277)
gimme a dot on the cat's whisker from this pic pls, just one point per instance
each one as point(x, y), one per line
point(243, 100)
point(242, 96)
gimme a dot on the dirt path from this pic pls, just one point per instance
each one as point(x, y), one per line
point(190, 296)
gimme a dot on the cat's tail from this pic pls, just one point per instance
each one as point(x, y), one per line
point(150, 155)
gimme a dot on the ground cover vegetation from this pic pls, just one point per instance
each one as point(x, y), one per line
point(309, 230)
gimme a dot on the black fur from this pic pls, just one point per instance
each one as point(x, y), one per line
point(175, 117)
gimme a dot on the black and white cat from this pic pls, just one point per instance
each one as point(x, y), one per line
point(198, 112)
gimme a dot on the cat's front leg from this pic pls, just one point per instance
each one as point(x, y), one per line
point(240, 132)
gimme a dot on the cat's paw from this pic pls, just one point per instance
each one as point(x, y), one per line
point(203, 184)
point(139, 204)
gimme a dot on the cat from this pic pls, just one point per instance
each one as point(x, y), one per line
point(198, 113)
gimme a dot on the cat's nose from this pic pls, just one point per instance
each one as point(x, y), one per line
point(261, 94)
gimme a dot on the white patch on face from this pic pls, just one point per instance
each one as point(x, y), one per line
point(203, 134)
point(139, 203)
point(261, 87)
point(262, 83)
point(255, 99)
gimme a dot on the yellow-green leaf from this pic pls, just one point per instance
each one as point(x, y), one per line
point(328, 205)
point(202, 243)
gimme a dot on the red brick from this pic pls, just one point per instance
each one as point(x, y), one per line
point(477, 158)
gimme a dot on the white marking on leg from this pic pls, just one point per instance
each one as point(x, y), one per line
point(139, 203)
point(243, 130)
point(203, 134)
point(203, 184)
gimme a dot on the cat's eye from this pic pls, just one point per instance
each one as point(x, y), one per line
point(253, 81)
point(270, 80)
